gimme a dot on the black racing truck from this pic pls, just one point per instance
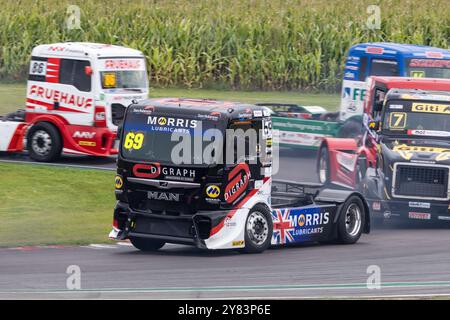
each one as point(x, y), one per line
point(411, 176)
point(199, 172)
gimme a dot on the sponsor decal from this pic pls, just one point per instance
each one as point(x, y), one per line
point(170, 124)
point(257, 113)
point(428, 63)
point(349, 75)
point(213, 191)
point(60, 96)
point(87, 143)
point(422, 205)
point(434, 55)
point(149, 171)
point(238, 181)
point(163, 196)
point(154, 170)
point(118, 182)
point(123, 64)
point(419, 216)
point(430, 133)
point(238, 243)
point(431, 108)
point(408, 151)
point(84, 134)
point(213, 116)
point(446, 218)
point(374, 50)
point(376, 206)
point(396, 106)
point(228, 223)
point(292, 225)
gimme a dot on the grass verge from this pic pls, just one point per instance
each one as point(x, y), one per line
point(42, 205)
point(12, 96)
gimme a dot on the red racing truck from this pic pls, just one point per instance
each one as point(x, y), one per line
point(401, 163)
point(76, 97)
point(343, 162)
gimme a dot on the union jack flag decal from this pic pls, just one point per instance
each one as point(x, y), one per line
point(282, 226)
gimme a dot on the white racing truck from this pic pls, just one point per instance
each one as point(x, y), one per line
point(76, 97)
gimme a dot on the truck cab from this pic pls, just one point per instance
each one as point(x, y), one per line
point(387, 60)
point(199, 172)
point(411, 177)
point(77, 94)
point(344, 161)
point(364, 61)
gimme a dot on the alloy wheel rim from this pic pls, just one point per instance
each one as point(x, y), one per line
point(41, 142)
point(257, 228)
point(353, 220)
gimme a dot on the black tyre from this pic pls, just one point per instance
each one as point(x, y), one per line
point(323, 166)
point(44, 142)
point(361, 168)
point(258, 230)
point(351, 129)
point(144, 244)
point(351, 220)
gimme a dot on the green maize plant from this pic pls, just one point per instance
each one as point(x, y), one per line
point(232, 44)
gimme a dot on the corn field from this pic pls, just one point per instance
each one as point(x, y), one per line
point(245, 44)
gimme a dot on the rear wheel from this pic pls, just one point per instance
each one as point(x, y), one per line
point(323, 166)
point(351, 221)
point(258, 230)
point(44, 142)
point(144, 244)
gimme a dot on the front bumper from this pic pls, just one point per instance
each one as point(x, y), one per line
point(182, 229)
point(410, 209)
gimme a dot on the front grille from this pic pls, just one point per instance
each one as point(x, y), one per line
point(187, 205)
point(421, 181)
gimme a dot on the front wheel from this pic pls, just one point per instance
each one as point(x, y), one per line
point(351, 220)
point(258, 230)
point(144, 244)
point(44, 142)
point(323, 166)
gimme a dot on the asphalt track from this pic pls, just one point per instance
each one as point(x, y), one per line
point(294, 165)
point(413, 260)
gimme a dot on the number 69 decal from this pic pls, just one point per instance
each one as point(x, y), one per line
point(133, 141)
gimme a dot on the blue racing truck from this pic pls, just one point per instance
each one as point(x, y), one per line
point(363, 60)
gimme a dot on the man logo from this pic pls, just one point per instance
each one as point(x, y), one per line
point(118, 182)
point(301, 220)
point(162, 121)
point(213, 191)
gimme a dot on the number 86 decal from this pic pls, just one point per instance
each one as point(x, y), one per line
point(133, 141)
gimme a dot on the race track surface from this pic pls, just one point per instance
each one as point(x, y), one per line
point(413, 260)
point(299, 165)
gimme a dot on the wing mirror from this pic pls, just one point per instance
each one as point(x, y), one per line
point(374, 125)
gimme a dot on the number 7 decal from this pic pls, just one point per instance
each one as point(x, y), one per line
point(397, 120)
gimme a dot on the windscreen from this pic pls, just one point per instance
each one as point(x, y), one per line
point(170, 138)
point(124, 79)
point(417, 118)
point(428, 68)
